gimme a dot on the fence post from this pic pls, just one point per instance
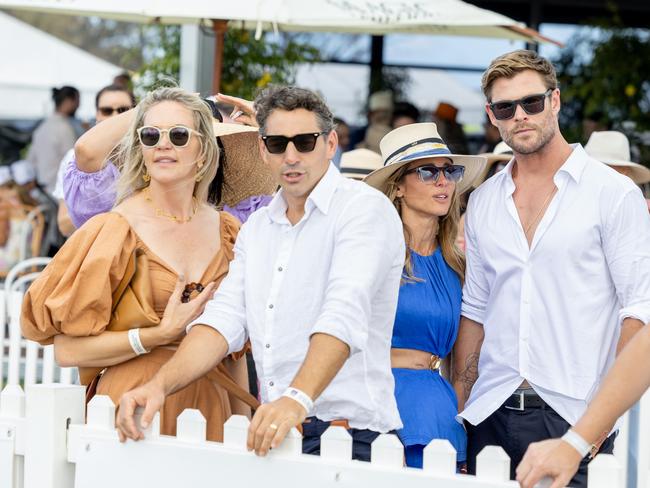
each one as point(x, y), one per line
point(387, 451)
point(191, 426)
point(50, 409)
point(605, 472)
point(12, 433)
point(440, 458)
point(492, 463)
point(336, 445)
point(235, 432)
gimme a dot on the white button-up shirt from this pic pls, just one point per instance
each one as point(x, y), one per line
point(337, 271)
point(552, 312)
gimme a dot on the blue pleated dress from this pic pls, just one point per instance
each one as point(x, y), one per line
point(428, 314)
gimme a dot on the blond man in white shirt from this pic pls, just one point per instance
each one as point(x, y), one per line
point(313, 286)
point(558, 266)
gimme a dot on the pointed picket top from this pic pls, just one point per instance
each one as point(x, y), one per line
point(605, 471)
point(12, 401)
point(493, 464)
point(235, 431)
point(387, 451)
point(101, 413)
point(291, 445)
point(336, 444)
point(153, 429)
point(440, 458)
point(191, 426)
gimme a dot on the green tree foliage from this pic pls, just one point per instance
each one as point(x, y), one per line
point(605, 76)
point(250, 64)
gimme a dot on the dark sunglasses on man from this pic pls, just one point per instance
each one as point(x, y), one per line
point(109, 111)
point(302, 142)
point(532, 104)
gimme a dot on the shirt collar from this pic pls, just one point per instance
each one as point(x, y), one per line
point(573, 166)
point(320, 197)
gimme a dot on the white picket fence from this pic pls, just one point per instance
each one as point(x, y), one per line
point(41, 435)
point(44, 443)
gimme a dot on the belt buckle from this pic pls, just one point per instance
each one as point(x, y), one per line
point(434, 363)
point(520, 408)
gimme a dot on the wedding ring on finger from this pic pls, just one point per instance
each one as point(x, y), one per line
point(273, 427)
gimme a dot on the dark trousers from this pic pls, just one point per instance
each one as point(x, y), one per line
point(314, 428)
point(514, 430)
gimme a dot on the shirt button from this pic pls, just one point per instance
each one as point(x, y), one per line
point(271, 383)
point(268, 346)
point(271, 305)
point(280, 268)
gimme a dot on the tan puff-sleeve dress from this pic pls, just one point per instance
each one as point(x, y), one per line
point(73, 296)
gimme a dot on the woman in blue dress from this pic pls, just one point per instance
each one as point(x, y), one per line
point(424, 180)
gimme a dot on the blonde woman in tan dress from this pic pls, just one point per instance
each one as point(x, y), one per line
point(169, 157)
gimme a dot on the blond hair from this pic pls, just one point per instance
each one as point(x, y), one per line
point(128, 154)
point(513, 63)
point(447, 230)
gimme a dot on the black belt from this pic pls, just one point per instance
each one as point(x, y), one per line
point(521, 400)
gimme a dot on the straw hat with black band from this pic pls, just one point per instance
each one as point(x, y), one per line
point(244, 172)
point(359, 163)
point(413, 142)
point(613, 149)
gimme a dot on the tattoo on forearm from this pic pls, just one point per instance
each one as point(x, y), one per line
point(469, 374)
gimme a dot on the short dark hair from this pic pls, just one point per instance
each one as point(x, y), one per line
point(291, 98)
point(406, 109)
point(59, 95)
point(114, 88)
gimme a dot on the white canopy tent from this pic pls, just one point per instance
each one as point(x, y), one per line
point(376, 17)
point(449, 17)
point(33, 62)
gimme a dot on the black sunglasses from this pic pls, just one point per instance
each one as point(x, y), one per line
point(108, 111)
point(302, 142)
point(430, 174)
point(179, 135)
point(532, 104)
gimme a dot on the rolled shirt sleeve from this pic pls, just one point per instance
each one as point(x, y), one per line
point(226, 311)
point(475, 288)
point(369, 244)
point(626, 243)
point(89, 194)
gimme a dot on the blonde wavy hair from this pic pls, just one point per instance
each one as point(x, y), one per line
point(128, 154)
point(447, 230)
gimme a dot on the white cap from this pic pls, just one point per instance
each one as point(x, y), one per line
point(5, 175)
point(381, 100)
point(23, 172)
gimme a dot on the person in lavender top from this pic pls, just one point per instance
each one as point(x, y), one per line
point(242, 185)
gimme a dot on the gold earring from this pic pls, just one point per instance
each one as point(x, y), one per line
point(198, 178)
point(146, 176)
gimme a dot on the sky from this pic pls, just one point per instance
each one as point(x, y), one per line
point(345, 86)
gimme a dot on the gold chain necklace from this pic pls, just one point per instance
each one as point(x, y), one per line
point(161, 213)
point(541, 210)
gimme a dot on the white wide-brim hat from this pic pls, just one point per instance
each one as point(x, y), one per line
point(359, 163)
point(613, 148)
point(412, 142)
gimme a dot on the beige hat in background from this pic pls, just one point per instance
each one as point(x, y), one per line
point(244, 173)
point(381, 100)
point(412, 142)
point(502, 153)
point(613, 148)
point(359, 163)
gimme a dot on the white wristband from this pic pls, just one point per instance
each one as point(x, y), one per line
point(136, 343)
point(576, 441)
point(301, 397)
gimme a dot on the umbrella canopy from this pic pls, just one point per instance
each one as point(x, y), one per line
point(377, 17)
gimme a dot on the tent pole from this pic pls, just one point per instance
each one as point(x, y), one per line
point(219, 27)
point(376, 64)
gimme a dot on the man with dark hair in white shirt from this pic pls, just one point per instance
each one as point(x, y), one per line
point(557, 281)
point(313, 286)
